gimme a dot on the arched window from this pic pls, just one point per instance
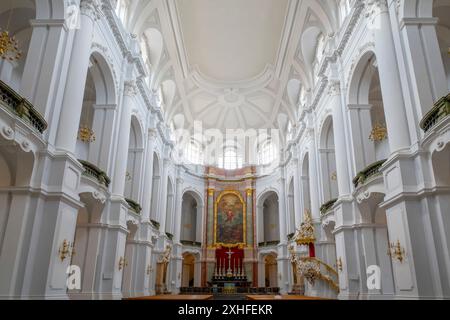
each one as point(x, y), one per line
point(194, 153)
point(267, 153)
point(231, 159)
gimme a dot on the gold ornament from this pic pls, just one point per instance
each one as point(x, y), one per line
point(305, 234)
point(378, 133)
point(339, 264)
point(122, 263)
point(86, 135)
point(9, 47)
point(65, 250)
point(396, 251)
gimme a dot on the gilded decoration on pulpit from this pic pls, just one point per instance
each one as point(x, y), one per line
point(305, 234)
point(230, 220)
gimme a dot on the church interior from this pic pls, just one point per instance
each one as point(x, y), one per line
point(224, 149)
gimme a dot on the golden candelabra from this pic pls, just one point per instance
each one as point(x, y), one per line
point(378, 133)
point(396, 251)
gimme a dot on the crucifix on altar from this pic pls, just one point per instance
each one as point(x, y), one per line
point(229, 271)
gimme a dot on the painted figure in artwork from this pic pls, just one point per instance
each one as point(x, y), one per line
point(230, 219)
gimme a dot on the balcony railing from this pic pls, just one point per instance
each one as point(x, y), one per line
point(191, 243)
point(371, 171)
point(440, 110)
point(156, 224)
point(169, 236)
point(136, 207)
point(21, 107)
point(268, 243)
point(91, 170)
point(327, 206)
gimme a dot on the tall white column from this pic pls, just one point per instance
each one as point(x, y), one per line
point(163, 197)
point(178, 258)
point(282, 211)
point(49, 40)
point(424, 61)
point(178, 208)
point(340, 146)
point(394, 105)
point(123, 142)
point(76, 79)
point(313, 177)
point(282, 259)
point(148, 180)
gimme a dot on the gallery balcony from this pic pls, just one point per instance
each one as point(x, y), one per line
point(436, 125)
point(20, 108)
point(94, 173)
point(189, 243)
point(327, 207)
point(134, 206)
point(369, 182)
point(439, 113)
point(20, 123)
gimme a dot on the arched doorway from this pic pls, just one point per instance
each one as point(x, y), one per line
point(271, 271)
point(188, 273)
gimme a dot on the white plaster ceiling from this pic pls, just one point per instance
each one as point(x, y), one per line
point(232, 40)
point(231, 63)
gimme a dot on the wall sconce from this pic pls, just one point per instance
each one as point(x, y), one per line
point(65, 250)
point(333, 176)
point(122, 263)
point(396, 251)
point(149, 269)
point(339, 264)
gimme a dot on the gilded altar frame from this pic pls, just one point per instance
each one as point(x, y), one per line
point(244, 206)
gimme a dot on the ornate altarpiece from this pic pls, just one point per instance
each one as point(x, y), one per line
point(230, 221)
